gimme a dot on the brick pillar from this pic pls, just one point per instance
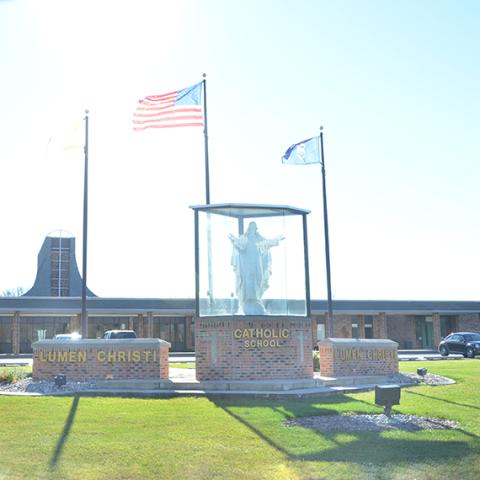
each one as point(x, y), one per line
point(75, 323)
point(150, 325)
point(16, 333)
point(130, 323)
point(361, 326)
point(437, 331)
point(188, 333)
point(141, 329)
point(330, 327)
point(380, 326)
point(314, 330)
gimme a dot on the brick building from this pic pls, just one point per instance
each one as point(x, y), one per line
point(53, 306)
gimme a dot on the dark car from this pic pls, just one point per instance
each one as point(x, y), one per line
point(465, 343)
point(119, 334)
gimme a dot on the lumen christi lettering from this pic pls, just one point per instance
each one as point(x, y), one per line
point(347, 354)
point(102, 356)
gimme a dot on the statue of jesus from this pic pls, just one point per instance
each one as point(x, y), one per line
point(252, 263)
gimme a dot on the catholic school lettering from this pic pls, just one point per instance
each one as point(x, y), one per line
point(261, 337)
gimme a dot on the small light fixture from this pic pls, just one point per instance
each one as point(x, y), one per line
point(422, 372)
point(60, 380)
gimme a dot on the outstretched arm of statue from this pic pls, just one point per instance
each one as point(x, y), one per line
point(235, 241)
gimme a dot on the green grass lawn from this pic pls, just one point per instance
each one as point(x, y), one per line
point(182, 365)
point(200, 438)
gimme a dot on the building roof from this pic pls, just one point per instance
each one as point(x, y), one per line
point(186, 306)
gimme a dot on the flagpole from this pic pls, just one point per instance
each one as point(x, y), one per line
point(205, 132)
point(207, 195)
point(330, 331)
point(84, 317)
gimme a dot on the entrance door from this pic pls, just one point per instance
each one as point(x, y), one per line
point(178, 335)
point(428, 333)
point(172, 329)
point(424, 330)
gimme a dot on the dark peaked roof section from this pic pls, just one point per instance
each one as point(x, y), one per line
point(50, 271)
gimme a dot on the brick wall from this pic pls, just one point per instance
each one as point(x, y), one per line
point(380, 326)
point(342, 326)
point(401, 329)
point(85, 360)
point(341, 357)
point(469, 322)
point(253, 348)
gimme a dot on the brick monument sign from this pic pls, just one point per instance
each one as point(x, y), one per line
point(253, 348)
point(84, 360)
point(347, 357)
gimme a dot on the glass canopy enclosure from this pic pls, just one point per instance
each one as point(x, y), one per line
point(251, 260)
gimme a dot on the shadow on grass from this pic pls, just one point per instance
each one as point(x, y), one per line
point(443, 400)
point(360, 447)
point(66, 431)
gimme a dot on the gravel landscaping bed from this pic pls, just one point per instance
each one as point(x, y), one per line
point(27, 386)
point(379, 422)
point(430, 379)
point(371, 423)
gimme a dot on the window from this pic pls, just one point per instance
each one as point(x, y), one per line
point(368, 326)
point(320, 331)
point(354, 329)
point(60, 268)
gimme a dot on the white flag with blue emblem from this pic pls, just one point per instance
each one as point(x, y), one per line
point(303, 153)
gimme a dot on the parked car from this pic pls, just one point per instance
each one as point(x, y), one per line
point(66, 337)
point(119, 334)
point(465, 343)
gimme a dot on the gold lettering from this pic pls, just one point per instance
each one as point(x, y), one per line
point(82, 356)
point(51, 356)
point(267, 333)
point(284, 333)
point(246, 343)
point(112, 356)
point(42, 356)
point(245, 334)
point(274, 333)
point(62, 356)
point(259, 333)
point(121, 356)
point(72, 357)
point(136, 356)
point(237, 333)
point(147, 356)
point(101, 356)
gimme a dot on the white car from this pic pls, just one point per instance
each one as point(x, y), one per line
point(67, 337)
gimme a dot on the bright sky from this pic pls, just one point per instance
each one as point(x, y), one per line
point(394, 83)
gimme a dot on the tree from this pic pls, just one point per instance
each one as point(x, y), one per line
point(13, 292)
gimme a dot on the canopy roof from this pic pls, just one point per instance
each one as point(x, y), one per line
point(248, 210)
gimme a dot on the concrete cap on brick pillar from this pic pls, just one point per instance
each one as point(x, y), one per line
point(359, 342)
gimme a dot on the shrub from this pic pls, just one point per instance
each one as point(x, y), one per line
point(12, 375)
point(8, 377)
point(316, 361)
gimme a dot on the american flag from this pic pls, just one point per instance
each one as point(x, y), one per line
point(181, 108)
